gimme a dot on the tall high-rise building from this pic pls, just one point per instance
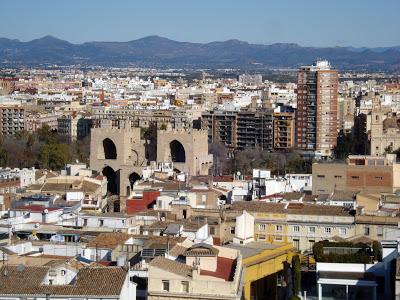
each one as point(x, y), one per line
point(240, 130)
point(12, 119)
point(316, 117)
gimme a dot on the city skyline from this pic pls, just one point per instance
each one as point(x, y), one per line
point(356, 24)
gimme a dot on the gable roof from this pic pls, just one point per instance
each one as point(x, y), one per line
point(109, 240)
point(28, 281)
point(282, 208)
point(201, 249)
point(172, 266)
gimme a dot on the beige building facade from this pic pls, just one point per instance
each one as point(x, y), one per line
point(385, 132)
point(360, 173)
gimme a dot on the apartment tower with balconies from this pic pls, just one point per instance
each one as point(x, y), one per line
point(317, 102)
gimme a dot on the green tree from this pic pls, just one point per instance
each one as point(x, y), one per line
point(360, 135)
point(46, 135)
point(296, 269)
point(344, 145)
point(54, 156)
point(3, 157)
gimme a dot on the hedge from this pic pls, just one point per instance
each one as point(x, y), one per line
point(363, 256)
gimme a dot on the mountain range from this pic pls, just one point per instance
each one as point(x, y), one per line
point(155, 51)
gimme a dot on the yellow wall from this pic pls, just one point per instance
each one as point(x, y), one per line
point(266, 263)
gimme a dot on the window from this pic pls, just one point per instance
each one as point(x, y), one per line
point(311, 229)
point(212, 230)
point(165, 285)
point(278, 238)
point(232, 230)
point(278, 228)
point(338, 176)
point(203, 198)
point(296, 244)
point(63, 272)
point(379, 231)
point(321, 176)
point(261, 227)
point(296, 228)
point(366, 230)
point(355, 177)
point(51, 282)
point(101, 223)
point(328, 230)
point(342, 231)
point(185, 286)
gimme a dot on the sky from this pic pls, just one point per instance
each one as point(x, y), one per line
point(369, 23)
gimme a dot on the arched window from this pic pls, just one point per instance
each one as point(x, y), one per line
point(133, 178)
point(110, 151)
point(112, 185)
point(177, 151)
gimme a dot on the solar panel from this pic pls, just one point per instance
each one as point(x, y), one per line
point(152, 252)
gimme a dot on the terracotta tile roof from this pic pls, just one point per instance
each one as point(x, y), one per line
point(377, 220)
point(26, 282)
point(192, 225)
point(161, 225)
point(225, 269)
point(177, 250)
point(172, 266)
point(169, 186)
point(162, 241)
point(303, 209)
point(108, 240)
point(201, 250)
point(90, 282)
point(87, 187)
point(90, 187)
point(41, 173)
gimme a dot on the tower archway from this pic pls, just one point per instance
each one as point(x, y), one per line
point(177, 152)
point(133, 177)
point(110, 151)
point(112, 180)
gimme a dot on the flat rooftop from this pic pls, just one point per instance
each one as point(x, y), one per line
point(252, 248)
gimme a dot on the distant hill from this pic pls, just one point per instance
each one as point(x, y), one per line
point(155, 51)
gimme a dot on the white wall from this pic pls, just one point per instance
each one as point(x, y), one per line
point(108, 222)
point(74, 196)
point(244, 228)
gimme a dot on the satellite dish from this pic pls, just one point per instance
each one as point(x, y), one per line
point(238, 173)
point(21, 267)
point(46, 211)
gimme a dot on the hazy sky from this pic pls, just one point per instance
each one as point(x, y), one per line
point(306, 22)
